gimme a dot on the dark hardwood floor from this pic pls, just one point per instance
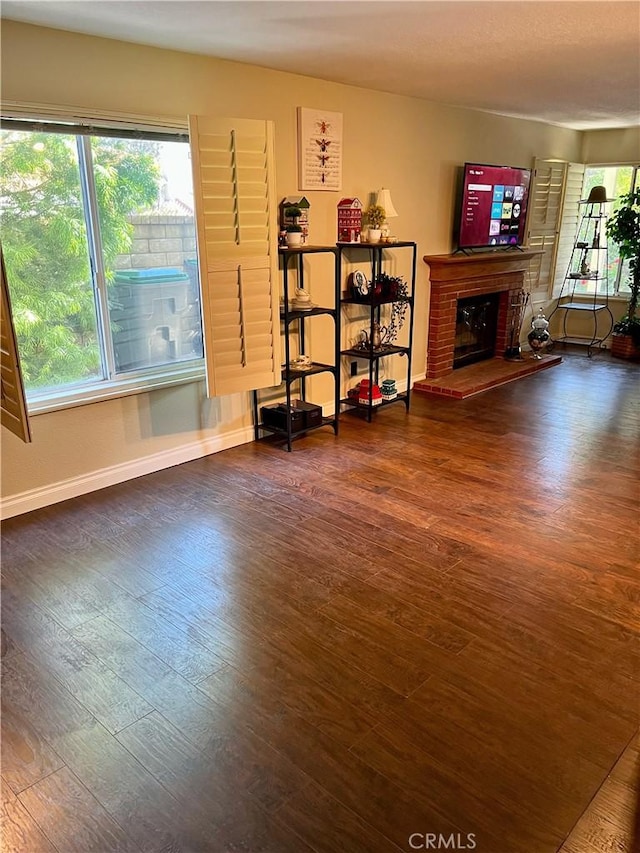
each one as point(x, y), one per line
point(424, 629)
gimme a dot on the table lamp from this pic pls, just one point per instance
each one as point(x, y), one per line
point(384, 200)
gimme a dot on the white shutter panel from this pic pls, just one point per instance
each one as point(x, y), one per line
point(545, 209)
point(569, 222)
point(13, 404)
point(235, 206)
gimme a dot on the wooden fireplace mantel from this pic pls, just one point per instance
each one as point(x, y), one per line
point(481, 264)
point(454, 277)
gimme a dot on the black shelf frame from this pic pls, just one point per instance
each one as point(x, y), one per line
point(591, 231)
point(289, 317)
point(291, 434)
point(371, 353)
point(374, 304)
point(367, 408)
point(376, 247)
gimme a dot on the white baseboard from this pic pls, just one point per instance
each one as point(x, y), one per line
point(91, 482)
point(73, 487)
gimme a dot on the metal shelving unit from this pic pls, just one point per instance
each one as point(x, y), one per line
point(292, 259)
point(588, 266)
point(374, 355)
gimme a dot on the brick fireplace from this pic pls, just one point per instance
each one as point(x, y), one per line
point(455, 277)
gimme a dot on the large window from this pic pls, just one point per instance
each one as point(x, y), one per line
point(617, 180)
point(99, 240)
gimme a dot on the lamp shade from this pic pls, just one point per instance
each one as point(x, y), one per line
point(598, 195)
point(384, 200)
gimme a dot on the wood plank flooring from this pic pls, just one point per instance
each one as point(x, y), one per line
point(423, 632)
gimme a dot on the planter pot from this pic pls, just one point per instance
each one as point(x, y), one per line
point(622, 346)
point(374, 234)
point(294, 238)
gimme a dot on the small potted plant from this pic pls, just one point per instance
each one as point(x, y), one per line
point(375, 218)
point(623, 227)
point(294, 235)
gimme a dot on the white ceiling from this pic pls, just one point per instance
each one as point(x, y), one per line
point(570, 62)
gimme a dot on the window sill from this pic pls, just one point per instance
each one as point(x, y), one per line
point(588, 297)
point(99, 392)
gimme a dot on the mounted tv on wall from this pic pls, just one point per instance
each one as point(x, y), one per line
point(493, 206)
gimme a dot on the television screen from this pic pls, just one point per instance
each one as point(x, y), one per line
point(493, 206)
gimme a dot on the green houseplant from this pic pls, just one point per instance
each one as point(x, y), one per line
point(623, 228)
point(375, 217)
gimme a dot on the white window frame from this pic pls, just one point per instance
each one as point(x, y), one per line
point(569, 223)
point(131, 382)
point(635, 177)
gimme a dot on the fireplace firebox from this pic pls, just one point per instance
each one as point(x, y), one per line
point(476, 327)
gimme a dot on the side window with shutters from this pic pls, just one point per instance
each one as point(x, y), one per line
point(235, 206)
point(545, 210)
point(569, 221)
point(14, 408)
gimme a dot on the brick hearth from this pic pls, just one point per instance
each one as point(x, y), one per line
point(454, 277)
point(483, 375)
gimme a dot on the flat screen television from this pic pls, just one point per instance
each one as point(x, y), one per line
point(492, 206)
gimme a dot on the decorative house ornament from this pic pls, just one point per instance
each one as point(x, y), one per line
point(294, 210)
point(369, 395)
point(349, 220)
point(388, 389)
point(319, 149)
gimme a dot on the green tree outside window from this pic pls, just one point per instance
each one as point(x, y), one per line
point(46, 244)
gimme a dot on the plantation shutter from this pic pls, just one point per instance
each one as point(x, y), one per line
point(12, 399)
point(234, 190)
point(543, 224)
point(569, 222)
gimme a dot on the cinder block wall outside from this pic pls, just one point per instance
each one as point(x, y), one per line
point(159, 241)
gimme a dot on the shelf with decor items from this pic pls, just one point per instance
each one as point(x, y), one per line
point(585, 288)
point(295, 415)
point(387, 301)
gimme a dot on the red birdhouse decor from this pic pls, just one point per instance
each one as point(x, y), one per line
point(349, 220)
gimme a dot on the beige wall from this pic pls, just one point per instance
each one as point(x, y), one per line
point(621, 145)
point(411, 146)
